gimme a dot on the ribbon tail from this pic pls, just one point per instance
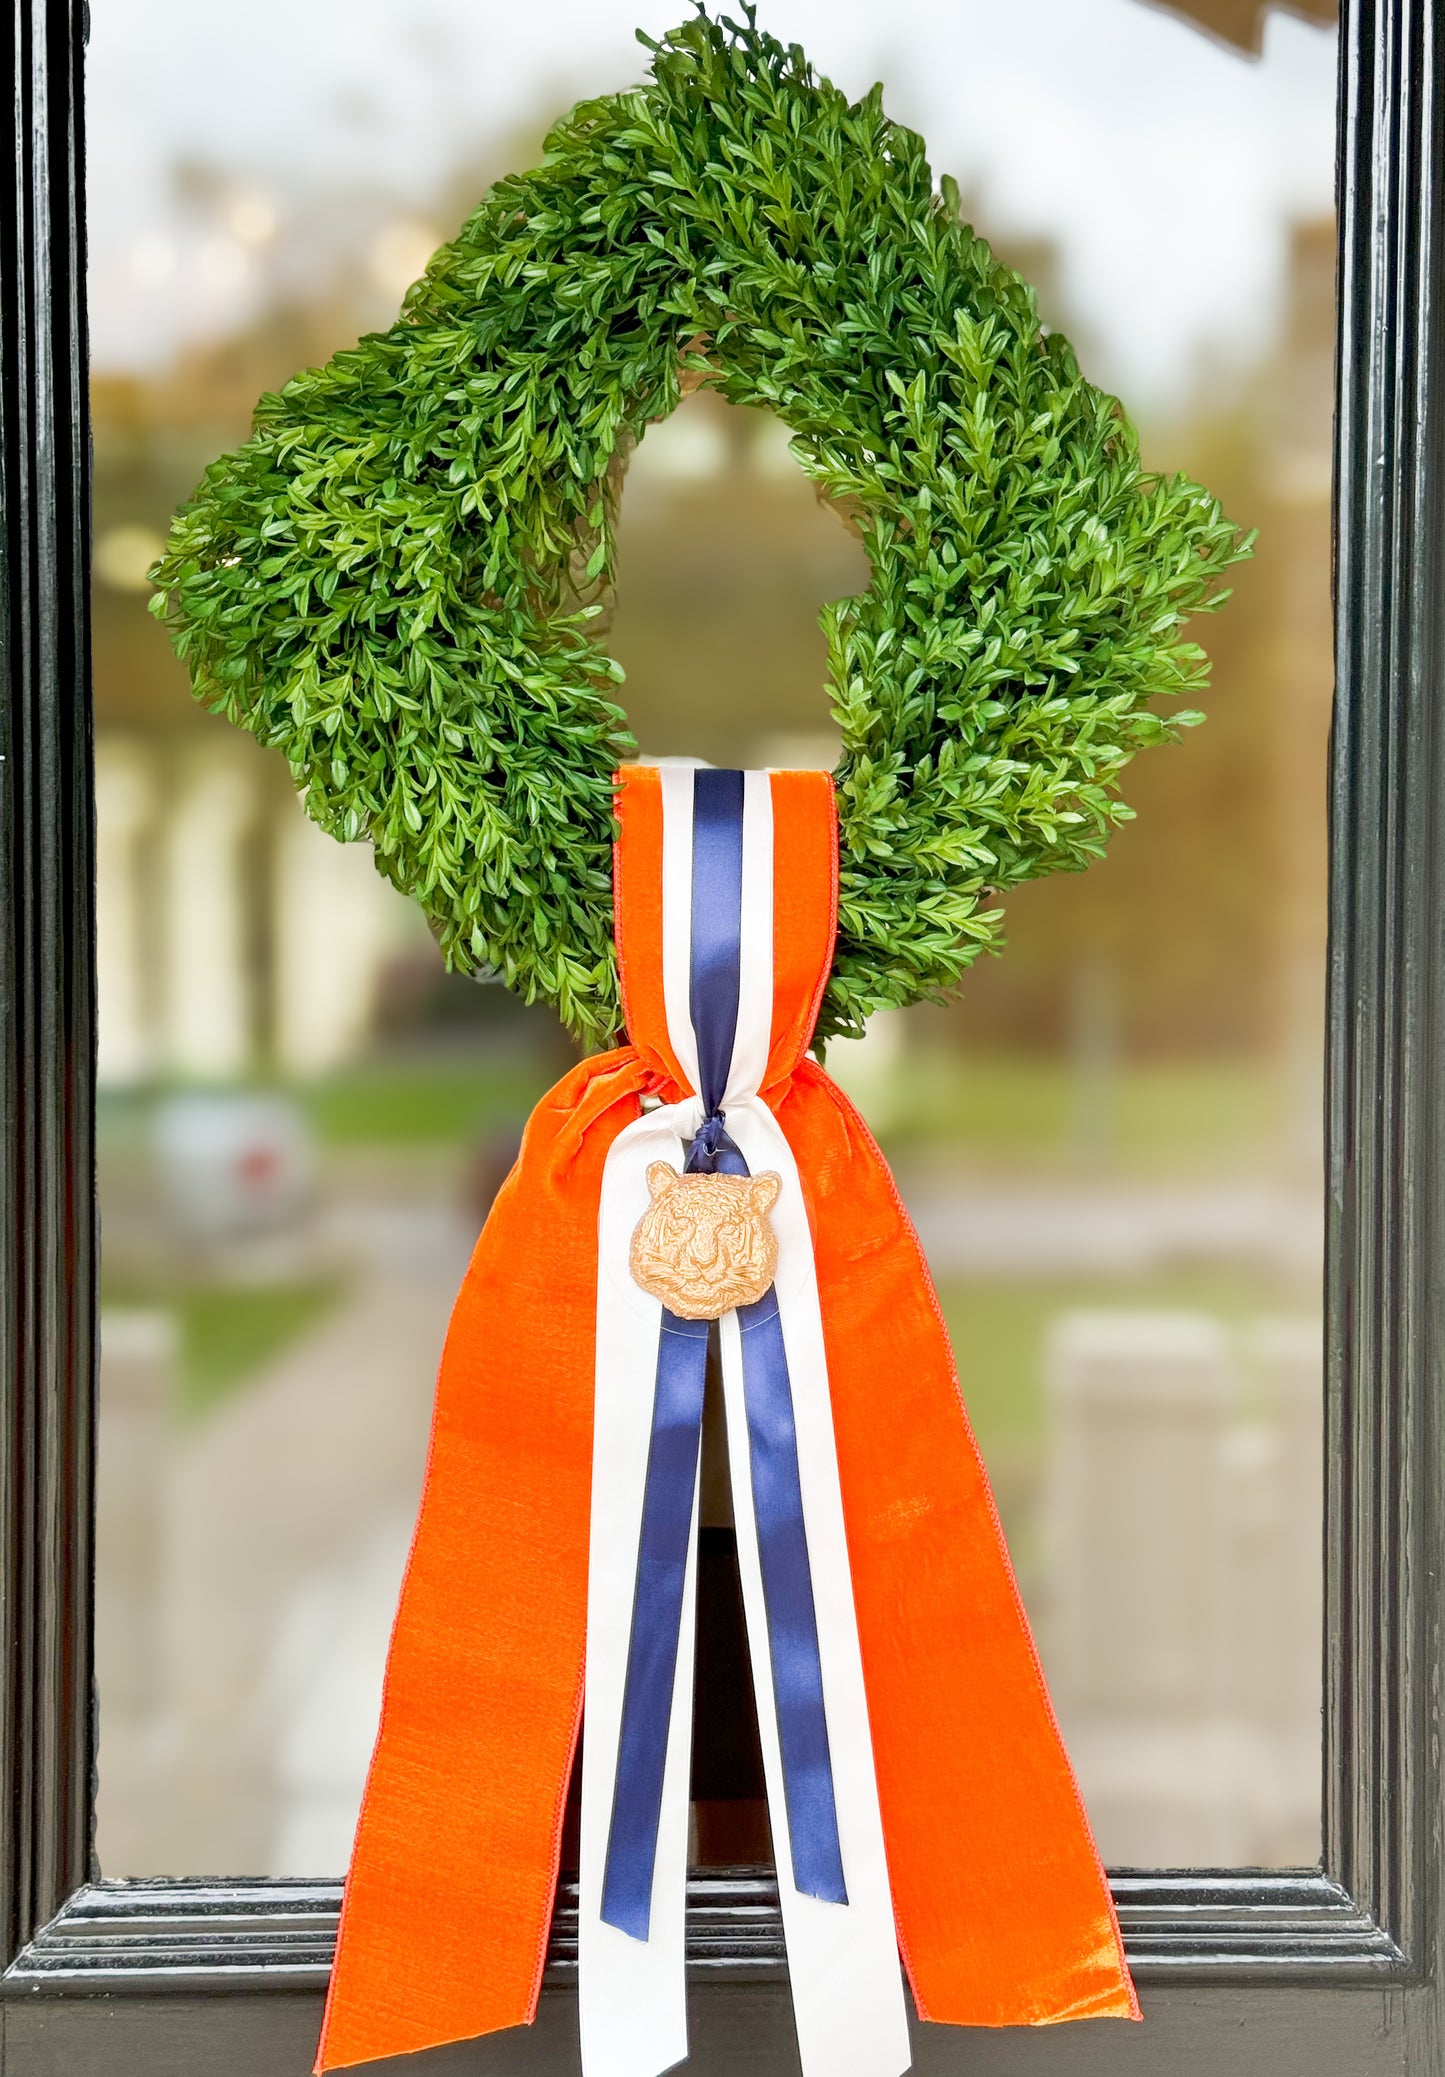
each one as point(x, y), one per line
point(663, 1600)
point(641, 1603)
point(459, 1835)
point(848, 1998)
point(967, 1745)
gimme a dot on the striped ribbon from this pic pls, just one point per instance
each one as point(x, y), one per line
point(672, 1465)
point(717, 904)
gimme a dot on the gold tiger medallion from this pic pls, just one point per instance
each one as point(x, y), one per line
point(705, 1243)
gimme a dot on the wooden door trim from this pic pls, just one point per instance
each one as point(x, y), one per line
point(1369, 1920)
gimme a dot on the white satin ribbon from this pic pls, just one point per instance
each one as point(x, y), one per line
point(848, 1998)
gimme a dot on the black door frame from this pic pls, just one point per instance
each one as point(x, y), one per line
point(1332, 1970)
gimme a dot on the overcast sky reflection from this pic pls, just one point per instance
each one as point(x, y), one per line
point(1166, 168)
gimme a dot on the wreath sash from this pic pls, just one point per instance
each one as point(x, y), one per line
point(902, 1713)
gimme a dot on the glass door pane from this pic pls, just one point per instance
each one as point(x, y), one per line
point(1110, 1142)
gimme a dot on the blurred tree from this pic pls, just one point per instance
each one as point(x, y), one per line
point(1207, 918)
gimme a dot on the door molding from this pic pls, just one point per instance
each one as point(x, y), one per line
point(47, 991)
point(1385, 1222)
point(1367, 1925)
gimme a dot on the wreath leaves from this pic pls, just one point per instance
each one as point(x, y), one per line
point(394, 580)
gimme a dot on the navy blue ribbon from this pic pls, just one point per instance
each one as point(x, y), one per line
point(656, 1620)
point(788, 1597)
point(716, 951)
point(671, 1483)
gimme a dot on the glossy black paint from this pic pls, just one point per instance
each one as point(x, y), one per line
point(1334, 1971)
point(47, 1198)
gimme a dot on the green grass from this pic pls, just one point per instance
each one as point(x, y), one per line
point(1000, 1332)
point(1194, 1115)
point(227, 1335)
point(228, 1332)
point(428, 1105)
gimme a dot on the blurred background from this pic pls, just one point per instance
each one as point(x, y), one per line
point(1110, 1142)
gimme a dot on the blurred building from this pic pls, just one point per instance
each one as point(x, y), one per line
point(1201, 933)
point(232, 935)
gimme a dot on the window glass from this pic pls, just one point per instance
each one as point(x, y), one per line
point(1110, 1142)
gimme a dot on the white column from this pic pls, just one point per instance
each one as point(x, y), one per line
point(1290, 1357)
point(1142, 1402)
point(124, 803)
point(335, 920)
point(1137, 1642)
point(136, 1408)
point(206, 976)
point(1277, 1589)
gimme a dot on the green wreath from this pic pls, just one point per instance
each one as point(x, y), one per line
point(393, 580)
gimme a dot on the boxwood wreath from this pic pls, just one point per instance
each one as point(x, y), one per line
point(397, 580)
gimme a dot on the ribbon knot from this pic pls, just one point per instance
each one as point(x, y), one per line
point(711, 1148)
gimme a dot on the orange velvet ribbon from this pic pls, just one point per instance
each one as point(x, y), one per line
point(1003, 1910)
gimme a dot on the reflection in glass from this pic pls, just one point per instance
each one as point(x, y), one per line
point(1110, 1142)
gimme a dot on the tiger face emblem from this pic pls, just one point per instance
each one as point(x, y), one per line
point(705, 1244)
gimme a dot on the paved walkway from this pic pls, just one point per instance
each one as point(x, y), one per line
point(285, 1518)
